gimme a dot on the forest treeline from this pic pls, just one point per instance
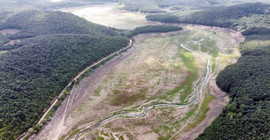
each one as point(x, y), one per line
point(153, 29)
point(250, 18)
point(247, 115)
point(54, 47)
point(160, 6)
point(33, 23)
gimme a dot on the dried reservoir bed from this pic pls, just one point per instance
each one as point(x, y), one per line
point(155, 70)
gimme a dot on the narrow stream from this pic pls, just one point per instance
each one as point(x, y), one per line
point(197, 91)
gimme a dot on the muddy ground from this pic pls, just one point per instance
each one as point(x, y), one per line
point(109, 14)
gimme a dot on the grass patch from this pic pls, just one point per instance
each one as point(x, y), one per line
point(187, 86)
point(208, 46)
point(127, 98)
point(202, 111)
point(104, 134)
point(190, 113)
point(162, 134)
point(97, 91)
point(74, 133)
point(213, 61)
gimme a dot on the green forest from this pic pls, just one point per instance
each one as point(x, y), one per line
point(33, 23)
point(54, 47)
point(250, 18)
point(160, 6)
point(247, 116)
point(153, 29)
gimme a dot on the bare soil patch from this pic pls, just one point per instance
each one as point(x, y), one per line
point(109, 15)
point(9, 31)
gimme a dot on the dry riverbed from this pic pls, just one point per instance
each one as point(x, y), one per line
point(155, 69)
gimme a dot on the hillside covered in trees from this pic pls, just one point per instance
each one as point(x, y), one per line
point(251, 18)
point(247, 115)
point(33, 23)
point(153, 29)
point(54, 47)
point(157, 6)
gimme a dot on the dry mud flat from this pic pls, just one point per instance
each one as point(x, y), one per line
point(109, 15)
point(139, 70)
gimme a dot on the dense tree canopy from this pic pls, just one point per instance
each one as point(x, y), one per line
point(155, 6)
point(247, 116)
point(251, 18)
point(33, 23)
point(54, 47)
point(154, 29)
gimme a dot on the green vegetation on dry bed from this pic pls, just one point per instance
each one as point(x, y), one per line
point(247, 82)
point(247, 116)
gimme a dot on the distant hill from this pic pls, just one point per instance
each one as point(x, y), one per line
point(251, 18)
point(154, 6)
point(54, 47)
point(33, 23)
